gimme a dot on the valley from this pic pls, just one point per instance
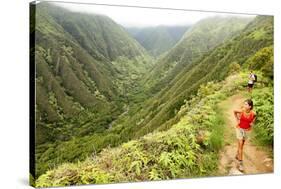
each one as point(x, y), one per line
point(104, 92)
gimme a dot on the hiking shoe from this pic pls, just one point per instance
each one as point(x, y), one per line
point(240, 166)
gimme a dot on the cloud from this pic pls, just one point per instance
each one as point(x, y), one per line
point(141, 17)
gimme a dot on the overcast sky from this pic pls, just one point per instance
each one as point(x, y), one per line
point(142, 17)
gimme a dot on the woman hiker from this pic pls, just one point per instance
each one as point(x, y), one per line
point(245, 120)
point(251, 81)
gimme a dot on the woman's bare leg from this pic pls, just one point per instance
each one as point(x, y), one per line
point(239, 150)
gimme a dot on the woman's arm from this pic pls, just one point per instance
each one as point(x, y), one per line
point(237, 114)
point(252, 123)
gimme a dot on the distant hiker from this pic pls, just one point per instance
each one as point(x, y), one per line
point(251, 82)
point(245, 120)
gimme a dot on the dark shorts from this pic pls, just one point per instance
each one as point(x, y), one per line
point(250, 85)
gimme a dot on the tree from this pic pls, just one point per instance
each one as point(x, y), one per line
point(261, 58)
point(234, 67)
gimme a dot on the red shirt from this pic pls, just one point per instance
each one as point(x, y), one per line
point(246, 120)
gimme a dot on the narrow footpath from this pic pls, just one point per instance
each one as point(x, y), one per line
point(256, 159)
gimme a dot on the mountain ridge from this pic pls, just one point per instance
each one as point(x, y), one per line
point(91, 95)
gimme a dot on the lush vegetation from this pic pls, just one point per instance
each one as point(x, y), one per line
point(199, 40)
point(97, 88)
point(189, 149)
point(82, 85)
point(159, 39)
point(263, 129)
point(75, 68)
point(159, 111)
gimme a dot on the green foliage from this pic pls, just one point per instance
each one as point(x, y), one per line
point(234, 67)
point(69, 174)
point(263, 59)
point(194, 45)
point(74, 65)
point(157, 40)
point(188, 149)
point(185, 80)
point(91, 98)
point(80, 90)
point(264, 107)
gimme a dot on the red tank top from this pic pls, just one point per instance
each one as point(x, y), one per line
point(246, 120)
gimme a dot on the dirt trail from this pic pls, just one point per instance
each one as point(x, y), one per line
point(256, 160)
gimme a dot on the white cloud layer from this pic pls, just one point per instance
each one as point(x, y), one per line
point(141, 17)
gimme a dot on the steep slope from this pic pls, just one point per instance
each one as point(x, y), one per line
point(212, 66)
point(159, 112)
point(80, 82)
point(74, 54)
point(147, 114)
point(98, 34)
point(159, 39)
point(189, 149)
point(200, 39)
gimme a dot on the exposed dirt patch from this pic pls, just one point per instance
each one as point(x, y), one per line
point(256, 159)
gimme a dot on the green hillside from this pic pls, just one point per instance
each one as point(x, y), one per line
point(77, 63)
point(81, 83)
point(189, 149)
point(200, 39)
point(159, 39)
point(210, 67)
point(97, 88)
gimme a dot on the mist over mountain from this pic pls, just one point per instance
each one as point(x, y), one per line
point(79, 67)
point(99, 84)
point(197, 41)
point(159, 39)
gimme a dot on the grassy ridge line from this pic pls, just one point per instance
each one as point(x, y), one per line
point(147, 116)
point(188, 149)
